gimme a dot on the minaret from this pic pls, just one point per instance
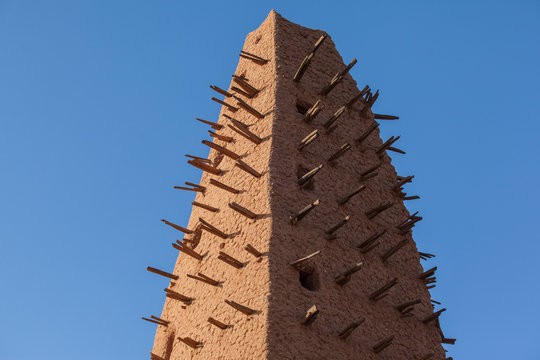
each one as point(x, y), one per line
point(299, 244)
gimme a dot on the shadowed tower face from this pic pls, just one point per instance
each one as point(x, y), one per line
point(299, 244)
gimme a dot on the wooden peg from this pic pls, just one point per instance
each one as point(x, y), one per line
point(372, 100)
point(221, 149)
point(243, 309)
point(349, 329)
point(155, 357)
point(195, 185)
point(296, 263)
point(228, 106)
point(223, 186)
point(188, 189)
point(425, 256)
point(256, 59)
point(379, 209)
point(368, 244)
point(242, 210)
point(411, 197)
point(221, 137)
point(201, 159)
point(382, 292)
point(394, 249)
point(190, 342)
point(159, 322)
point(243, 83)
point(448, 341)
point(180, 246)
point(402, 182)
point(394, 149)
point(342, 150)
point(357, 97)
point(212, 229)
point(386, 144)
point(220, 90)
point(307, 60)
point(383, 344)
point(162, 273)
point(433, 316)
point(309, 175)
point(385, 117)
point(177, 296)
point(243, 130)
point(311, 137)
point(214, 125)
point(204, 206)
point(241, 103)
point(310, 316)
point(177, 227)
point(348, 197)
point(337, 78)
point(409, 225)
point(218, 323)
point(366, 133)
point(302, 213)
point(313, 111)
point(242, 165)
point(427, 273)
point(344, 278)
point(334, 117)
point(203, 278)
point(230, 260)
point(205, 167)
point(249, 248)
point(338, 225)
point(406, 305)
point(242, 92)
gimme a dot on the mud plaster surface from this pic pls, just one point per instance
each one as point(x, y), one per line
point(270, 285)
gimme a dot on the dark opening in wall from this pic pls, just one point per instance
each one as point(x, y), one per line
point(309, 279)
point(302, 107)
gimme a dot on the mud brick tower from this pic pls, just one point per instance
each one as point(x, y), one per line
point(299, 245)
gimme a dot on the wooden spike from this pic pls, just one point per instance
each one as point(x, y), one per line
point(190, 342)
point(305, 258)
point(212, 229)
point(256, 59)
point(337, 78)
point(342, 150)
point(391, 148)
point(201, 159)
point(383, 344)
point(411, 197)
point(357, 97)
point(242, 165)
point(402, 182)
point(220, 90)
point(409, 224)
point(204, 278)
point(385, 117)
point(401, 307)
point(249, 248)
point(433, 316)
point(302, 213)
point(187, 250)
point(214, 125)
point(243, 130)
point(155, 322)
point(223, 186)
point(188, 189)
point(177, 296)
point(177, 227)
point(162, 273)
point(309, 175)
point(349, 329)
point(241, 103)
point(371, 169)
point(427, 273)
point(221, 137)
point(311, 137)
point(240, 132)
point(307, 60)
point(366, 133)
point(218, 323)
point(242, 210)
point(348, 197)
point(205, 167)
point(386, 144)
point(313, 111)
point(242, 82)
point(243, 309)
point(334, 117)
point(221, 149)
point(242, 92)
point(379, 209)
point(425, 256)
point(448, 341)
point(228, 106)
point(394, 249)
point(230, 260)
point(155, 357)
point(371, 239)
point(344, 278)
point(380, 293)
point(372, 100)
point(338, 225)
point(195, 185)
point(368, 176)
point(310, 316)
point(204, 206)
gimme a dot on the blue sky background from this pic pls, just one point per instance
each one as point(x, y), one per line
point(97, 101)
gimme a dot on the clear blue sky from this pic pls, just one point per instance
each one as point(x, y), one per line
point(97, 101)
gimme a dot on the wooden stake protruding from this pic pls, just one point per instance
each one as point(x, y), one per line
point(242, 210)
point(228, 106)
point(162, 273)
point(394, 249)
point(433, 316)
point(366, 133)
point(379, 209)
point(426, 274)
point(223, 186)
point(342, 150)
point(357, 97)
point(383, 344)
point(155, 357)
point(196, 189)
point(296, 263)
point(337, 78)
point(370, 243)
point(214, 125)
point(228, 139)
point(311, 137)
point(177, 227)
point(204, 206)
point(411, 197)
point(307, 60)
point(221, 149)
point(425, 256)
point(198, 158)
point(394, 149)
point(243, 83)
point(190, 342)
point(369, 173)
point(302, 213)
point(402, 182)
point(218, 323)
point(386, 144)
point(407, 307)
point(344, 278)
point(256, 59)
point(382, 292)
point(241, 103)
point(313, 111)
point(230, 260)
point(242, 129)
point(156, 320)
point(349, 329)
point(212, 229)
point(203, 278)
point(242, 165)
point(205, 167)
point(309, 175)
point(177, 296)
point(348, 197)
point(330, 232)
point(220, 90)
point(250, 249)
point(310, 316)
point(180, 246)
point(334, 117)
point(385, 117)
point(243, 309)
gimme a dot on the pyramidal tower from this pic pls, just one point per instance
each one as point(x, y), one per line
point(299, 244)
